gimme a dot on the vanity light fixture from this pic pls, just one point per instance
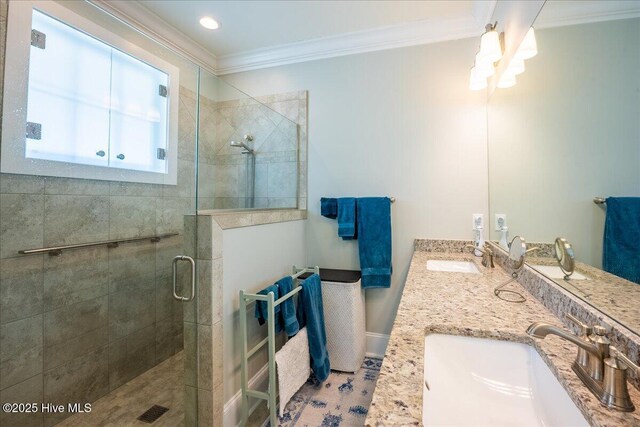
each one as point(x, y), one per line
point(490, 53)
point(528, 48)
point(490, 48)
point(484, 69)
point(477, 81)
point(209, 23)
point(516, 66)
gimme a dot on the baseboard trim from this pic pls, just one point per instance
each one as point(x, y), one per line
point(233, 408)
point(376, 347)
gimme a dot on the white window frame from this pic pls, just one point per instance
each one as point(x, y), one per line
point(15, 93)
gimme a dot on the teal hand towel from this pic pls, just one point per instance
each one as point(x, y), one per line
point(347, 218)
point(374, 241)
point(291, 327)
point(311, 314)
point(329, 207)
point(262, 312)
point(620, 253)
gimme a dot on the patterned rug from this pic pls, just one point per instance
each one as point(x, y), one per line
point(342, 400)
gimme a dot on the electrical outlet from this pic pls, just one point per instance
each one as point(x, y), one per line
point(477, 221)
point(501, 221)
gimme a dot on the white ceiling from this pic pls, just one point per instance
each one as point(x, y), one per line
point(257, 34)
point(251, 25)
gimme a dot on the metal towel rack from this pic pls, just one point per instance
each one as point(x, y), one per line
point(269, 396)
point(599, 200)
point(57, 250)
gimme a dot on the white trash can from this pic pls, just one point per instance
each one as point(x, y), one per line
point(344, 318)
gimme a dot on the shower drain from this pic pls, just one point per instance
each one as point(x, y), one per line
point(152, 414)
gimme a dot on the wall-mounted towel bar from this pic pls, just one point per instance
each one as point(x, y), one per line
point(599, 200)
point(393, 199)
point(57, 250)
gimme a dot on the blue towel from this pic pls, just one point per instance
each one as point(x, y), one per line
point(347, 218)
point(288, 309)
point(374, 241)
point(620, 253)
point(262, 308)
point(311, 314)
point(329, 207)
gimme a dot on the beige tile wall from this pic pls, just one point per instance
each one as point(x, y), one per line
point(278, 124)
point(76, 326)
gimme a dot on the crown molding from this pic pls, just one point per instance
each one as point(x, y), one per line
point(587, 12)
point(143, 19)
point(409, 34)
point(397, 36)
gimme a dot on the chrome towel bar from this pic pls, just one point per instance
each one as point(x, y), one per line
point(57, 250)
point(599, 200)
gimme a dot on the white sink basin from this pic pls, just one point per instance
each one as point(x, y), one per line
point(452, 266)
point(554, 272)
point(483, 382)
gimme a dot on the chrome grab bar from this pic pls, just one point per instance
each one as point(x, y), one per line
point(57, 250)
point(174, 267)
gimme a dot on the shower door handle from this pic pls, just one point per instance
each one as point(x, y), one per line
point(192, 265)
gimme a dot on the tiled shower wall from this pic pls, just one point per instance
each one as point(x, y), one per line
point(75, 326)
point(278, 126)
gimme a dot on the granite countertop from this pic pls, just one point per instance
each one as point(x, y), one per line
point(464, 304)
point(613, 295)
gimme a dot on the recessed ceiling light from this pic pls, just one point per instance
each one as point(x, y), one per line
point(209, 23)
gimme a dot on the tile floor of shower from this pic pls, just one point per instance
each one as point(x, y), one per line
point(162, 385)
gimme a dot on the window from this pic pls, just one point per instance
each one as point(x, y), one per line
point(93, 105)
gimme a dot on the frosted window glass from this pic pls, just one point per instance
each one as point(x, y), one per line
point(69, 85)
point(91, 98)
point(138, 114)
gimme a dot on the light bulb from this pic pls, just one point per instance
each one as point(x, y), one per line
point(506, 80)
point(516, 66)
point(484, 68)
point(476, 81)
point(209, 23)
point(528, 48)
point(490, 49)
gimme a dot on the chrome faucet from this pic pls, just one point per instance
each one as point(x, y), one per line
point(487, 254)
point(600, 366)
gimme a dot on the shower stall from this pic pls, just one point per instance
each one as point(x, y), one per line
point(103, 304)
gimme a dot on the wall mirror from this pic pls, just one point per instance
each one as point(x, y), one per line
point(567, 133)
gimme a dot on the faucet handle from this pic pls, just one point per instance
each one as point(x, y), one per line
point(584, 328)
point(600, 331)
point(615, 393)
point(633, 368)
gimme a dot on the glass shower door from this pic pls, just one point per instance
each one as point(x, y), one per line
point(88, 311)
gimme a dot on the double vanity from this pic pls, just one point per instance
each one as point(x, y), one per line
point(459, 355)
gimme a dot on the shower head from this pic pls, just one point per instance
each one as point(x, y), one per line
point(241, 144)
